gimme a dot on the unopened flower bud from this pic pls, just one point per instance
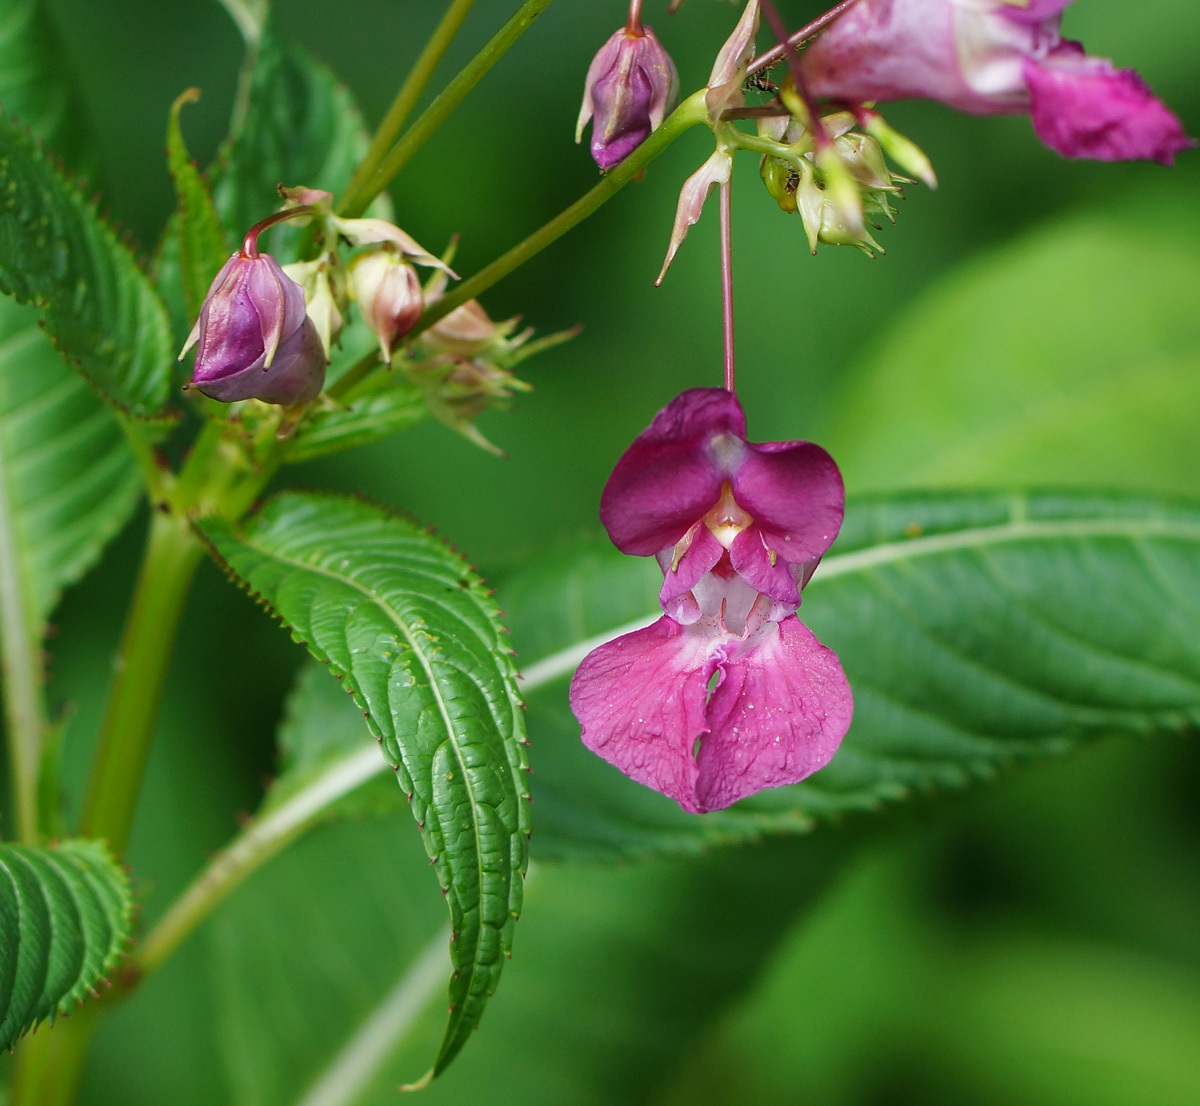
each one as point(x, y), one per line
point(324, 284)
point(256, 339)
point(389, 295)
point(631, 87)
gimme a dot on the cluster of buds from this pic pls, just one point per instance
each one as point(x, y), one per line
point(266, 331)
point(464, 362)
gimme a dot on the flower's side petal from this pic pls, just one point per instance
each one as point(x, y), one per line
point(640, 701)
point(700, 557)
point(601, 64)
point(1085, 107)
point(890, 50)
point(695, 191)
point(213, 289)
point(725, 83)
point(664, 78)
point(668, 479)
point(752, 561)
point(231, 335)
point(1034, 11)
point(794, 492)
point(777, 716)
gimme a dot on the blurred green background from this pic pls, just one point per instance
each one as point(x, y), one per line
point(1034, 322)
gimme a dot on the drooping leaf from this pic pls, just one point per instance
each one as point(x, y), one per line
point(620, 971)
point(418, 640)
point(34, 84)
point(977, 631)
point(203, 244)
point(65, 919)
point(98, 306)
point(1070, 356)
point(69, 479)
point(302, 127)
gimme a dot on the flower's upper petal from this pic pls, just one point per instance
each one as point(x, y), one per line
point(672, 475)
point(701, 555)
point(794, 493)
point(640, 700)
point(778, 714)
point(752, 562)
point(1086, 107)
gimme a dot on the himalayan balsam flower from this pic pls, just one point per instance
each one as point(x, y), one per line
point(631, 87)
point(991, 57)
point(728, 692)
point(256, 339)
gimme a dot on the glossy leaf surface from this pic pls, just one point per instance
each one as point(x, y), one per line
point(416, 637)
point(65, 918)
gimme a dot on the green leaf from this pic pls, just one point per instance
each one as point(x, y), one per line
point(977, 631)
point(419, 643)
point(1071, 356)
point(392, 404)
point(621, 969)
point(302, 127)
point(65, 918)
point(97, 305)
point(33, 80)
point(321, 728)
point(203, 245)
point(68, 480)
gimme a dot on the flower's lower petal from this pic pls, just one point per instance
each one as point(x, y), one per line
point(640, 701)
point(752, 562)
point(779, 714)
point(669, 477)
point(794, 492)
point(1085, 107)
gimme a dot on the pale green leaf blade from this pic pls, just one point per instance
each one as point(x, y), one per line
point(65, 921)
point(69, 480)
point(977, 631)
point(97, 305)
point(418, 640)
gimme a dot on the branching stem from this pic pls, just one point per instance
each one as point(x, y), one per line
point(359, 198)
point(727, 281)
point(766, 60)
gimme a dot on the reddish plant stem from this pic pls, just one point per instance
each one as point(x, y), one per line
point(820, 135)
point(727, 280)
point(250, 243)
point(633, 27)
point(788, 44)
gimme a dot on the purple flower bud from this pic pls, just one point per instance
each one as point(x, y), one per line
point(631, 87)
point(991, 57)
point(256, 339)
point(389, 296)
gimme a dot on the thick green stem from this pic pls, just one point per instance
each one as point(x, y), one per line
point(688, 114)
point(172, 554)
point(50, 1063)
point(410, 92)
point(358, 199)
point(24, 678)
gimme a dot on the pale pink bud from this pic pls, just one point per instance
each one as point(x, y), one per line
point(389, 296)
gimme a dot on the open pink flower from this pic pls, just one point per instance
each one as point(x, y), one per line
point(991, 57)
point(729, 692)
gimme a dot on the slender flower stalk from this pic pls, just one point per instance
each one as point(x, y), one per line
point(634, 25)
point(727, 281)
point(410, 92)
point(358, 199)
point(797, 38)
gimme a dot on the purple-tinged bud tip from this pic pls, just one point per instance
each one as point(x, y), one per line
point(389, 295)
point(631, 87)
point(256, 339)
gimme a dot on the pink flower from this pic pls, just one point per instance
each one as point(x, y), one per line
point(728, 692)
point(990, 57)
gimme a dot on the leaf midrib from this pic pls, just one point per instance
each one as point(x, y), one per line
point(409, 636)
